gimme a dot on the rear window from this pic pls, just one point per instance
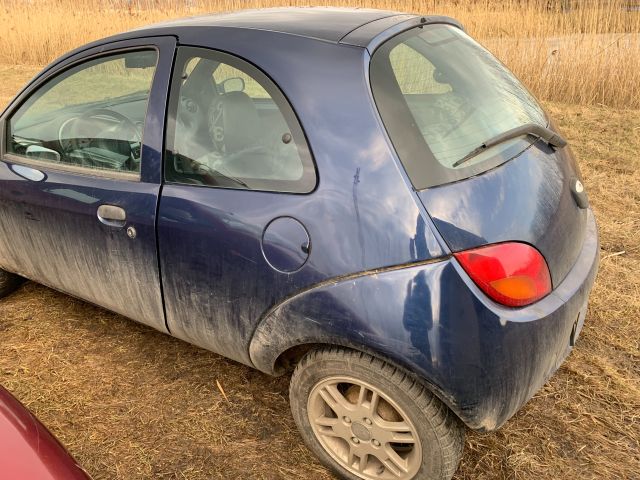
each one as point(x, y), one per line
point(441, 95)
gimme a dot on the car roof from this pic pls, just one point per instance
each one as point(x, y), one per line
point(356, 27)
point(323, 23)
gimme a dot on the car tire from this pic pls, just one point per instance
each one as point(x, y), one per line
point(342, 400)
point(8, 283)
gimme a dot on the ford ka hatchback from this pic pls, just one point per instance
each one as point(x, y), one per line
point(368, 199)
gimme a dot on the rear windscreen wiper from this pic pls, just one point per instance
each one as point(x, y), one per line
point(543, 133)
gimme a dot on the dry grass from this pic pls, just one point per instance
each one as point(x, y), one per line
point(131, 403)
point(587, 54)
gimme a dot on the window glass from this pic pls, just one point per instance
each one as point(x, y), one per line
point(91, 116)
point(230, 127)
point(414, 73)
point(441, 95)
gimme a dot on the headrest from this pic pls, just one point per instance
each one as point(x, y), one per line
point(234, 123)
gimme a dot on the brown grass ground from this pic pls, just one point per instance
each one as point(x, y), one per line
point(131, 403)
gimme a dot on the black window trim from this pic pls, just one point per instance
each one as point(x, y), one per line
point(310, 179)
point(41, 81)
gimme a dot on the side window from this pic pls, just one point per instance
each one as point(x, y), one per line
point(229, 126)
point(90, 116)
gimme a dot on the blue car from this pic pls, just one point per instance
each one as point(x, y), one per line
point(366, 198)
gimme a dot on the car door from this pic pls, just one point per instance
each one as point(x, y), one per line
point(237, 170)
point(81, 173)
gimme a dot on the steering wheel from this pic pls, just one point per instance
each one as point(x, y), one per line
point(189, 113)
point(84, 131)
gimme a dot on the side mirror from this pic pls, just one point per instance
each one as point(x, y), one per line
point(233, 84)
point(38, 152)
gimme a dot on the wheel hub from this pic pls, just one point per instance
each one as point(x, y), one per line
point(361, 432)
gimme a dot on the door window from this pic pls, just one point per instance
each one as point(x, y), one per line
point(231, 127)
point(89, 117)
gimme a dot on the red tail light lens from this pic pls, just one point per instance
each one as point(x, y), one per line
point(513, 274)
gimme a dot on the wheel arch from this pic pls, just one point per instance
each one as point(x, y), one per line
point(286, 361)
point(386, 314)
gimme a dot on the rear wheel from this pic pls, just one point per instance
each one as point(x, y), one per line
point(8, 283)
point(366, 419)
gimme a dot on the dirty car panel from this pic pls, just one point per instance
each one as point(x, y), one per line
point(50, 216)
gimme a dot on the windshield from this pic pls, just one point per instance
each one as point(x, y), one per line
point(441, 95)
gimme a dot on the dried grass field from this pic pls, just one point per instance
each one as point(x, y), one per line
point(576, 51)
point(132, 403)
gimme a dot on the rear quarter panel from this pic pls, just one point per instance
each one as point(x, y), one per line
point(482, 359)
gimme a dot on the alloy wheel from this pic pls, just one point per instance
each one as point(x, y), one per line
point(364, 430)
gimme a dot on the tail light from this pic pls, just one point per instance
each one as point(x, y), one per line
point(513, 274)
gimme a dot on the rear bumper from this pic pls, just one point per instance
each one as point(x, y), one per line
point(514, 352)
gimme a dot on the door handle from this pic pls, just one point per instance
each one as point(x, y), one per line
point(112, 216)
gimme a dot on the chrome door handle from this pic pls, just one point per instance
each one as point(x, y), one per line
point(112, 216)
